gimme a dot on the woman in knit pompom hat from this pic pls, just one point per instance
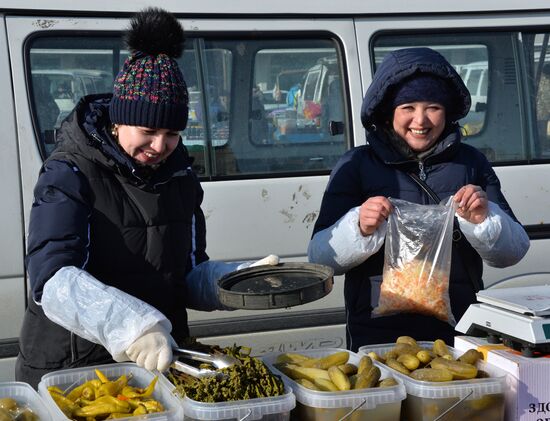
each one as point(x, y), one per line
point(117, 237)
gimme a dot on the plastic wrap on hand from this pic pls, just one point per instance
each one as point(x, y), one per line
point(102, 314)
point(417, 261)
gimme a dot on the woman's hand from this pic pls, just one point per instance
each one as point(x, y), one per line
point(373, 213)
point(473, 205)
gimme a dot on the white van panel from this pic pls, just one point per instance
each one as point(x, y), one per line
point(7, 369)
point(287, 341)
point(12, 306)
point(287, 7)
point(12, 281)
point(280, 220)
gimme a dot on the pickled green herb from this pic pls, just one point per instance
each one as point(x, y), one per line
point(252, 379)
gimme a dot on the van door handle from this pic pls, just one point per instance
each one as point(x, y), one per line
point(335, 127)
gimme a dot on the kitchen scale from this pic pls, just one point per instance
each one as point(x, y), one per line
point(519, 317)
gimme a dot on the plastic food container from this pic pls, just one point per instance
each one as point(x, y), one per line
point(380, 404)
point(26, 397)
point(276, 408)
point(427, 400)
point(141, 378)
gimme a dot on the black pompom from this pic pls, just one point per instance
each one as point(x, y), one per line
point(154, 31)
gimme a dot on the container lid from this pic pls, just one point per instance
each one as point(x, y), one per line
point(284, 285)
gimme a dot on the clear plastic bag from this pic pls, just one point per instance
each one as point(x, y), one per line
point(417, 260)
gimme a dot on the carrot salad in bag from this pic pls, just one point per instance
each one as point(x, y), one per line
point(417, 261)
point(415, 288)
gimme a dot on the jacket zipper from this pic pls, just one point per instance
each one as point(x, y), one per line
point(421, 174)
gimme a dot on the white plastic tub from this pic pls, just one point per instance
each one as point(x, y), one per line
point(141, 378)
point(380, 404)
point(276, 408)
point(426, 400)
point(26, 397)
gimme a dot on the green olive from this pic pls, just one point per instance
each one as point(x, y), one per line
point(27, 415)
point(8, 404)
point(5, 415)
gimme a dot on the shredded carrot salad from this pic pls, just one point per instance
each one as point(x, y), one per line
point(415, 288)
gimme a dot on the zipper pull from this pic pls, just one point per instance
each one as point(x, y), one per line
point(422, 174)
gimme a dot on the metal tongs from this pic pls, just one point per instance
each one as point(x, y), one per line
point(218, 360)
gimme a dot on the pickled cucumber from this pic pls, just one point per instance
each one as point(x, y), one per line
point(364, 363)
point(368, 378)
point(396, 365)
point(348, 368)
point(459, 370)
point(409, 361)
point(472, 356)
point(425, 356)
point(326, 385)
point(339, 379)
point(337, 358)
point(432, 375)
point(406, 340)
point(387, 382)
point(440, 348)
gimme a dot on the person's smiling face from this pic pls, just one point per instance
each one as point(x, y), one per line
point(419, 123)
point(145, 145)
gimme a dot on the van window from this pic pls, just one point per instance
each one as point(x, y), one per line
point(256, 106)
point(509, 81)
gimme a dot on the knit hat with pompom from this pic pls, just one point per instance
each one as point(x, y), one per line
point(149, 90)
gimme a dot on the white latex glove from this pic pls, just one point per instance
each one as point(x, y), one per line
point(153, 349)
point(271, 260)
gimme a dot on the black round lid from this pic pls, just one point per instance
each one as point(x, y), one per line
point(284, 285)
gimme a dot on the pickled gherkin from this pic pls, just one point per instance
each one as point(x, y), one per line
point(459, 370)
point(432, 375)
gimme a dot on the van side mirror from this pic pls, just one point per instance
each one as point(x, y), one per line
point(335, 127)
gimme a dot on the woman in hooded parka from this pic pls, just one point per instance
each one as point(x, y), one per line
point(411, 112)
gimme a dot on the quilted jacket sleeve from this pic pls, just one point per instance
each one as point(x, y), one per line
point(58, 227)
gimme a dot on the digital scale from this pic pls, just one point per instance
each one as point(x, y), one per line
point(519, 317)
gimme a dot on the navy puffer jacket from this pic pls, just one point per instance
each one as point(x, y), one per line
point(378, 169)
point(137, 230)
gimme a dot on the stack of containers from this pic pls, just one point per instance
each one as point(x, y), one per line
point(276, 408)
point(26, 397)
point(380, 404)
point(69, 379)
point(484, 397)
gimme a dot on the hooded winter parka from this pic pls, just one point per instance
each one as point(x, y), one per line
point(138, 230)
point(378, 169)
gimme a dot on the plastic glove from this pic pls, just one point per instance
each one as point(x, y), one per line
point(272, 260)
point(153, 349)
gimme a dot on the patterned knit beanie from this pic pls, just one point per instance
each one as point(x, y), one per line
point(149, 90)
